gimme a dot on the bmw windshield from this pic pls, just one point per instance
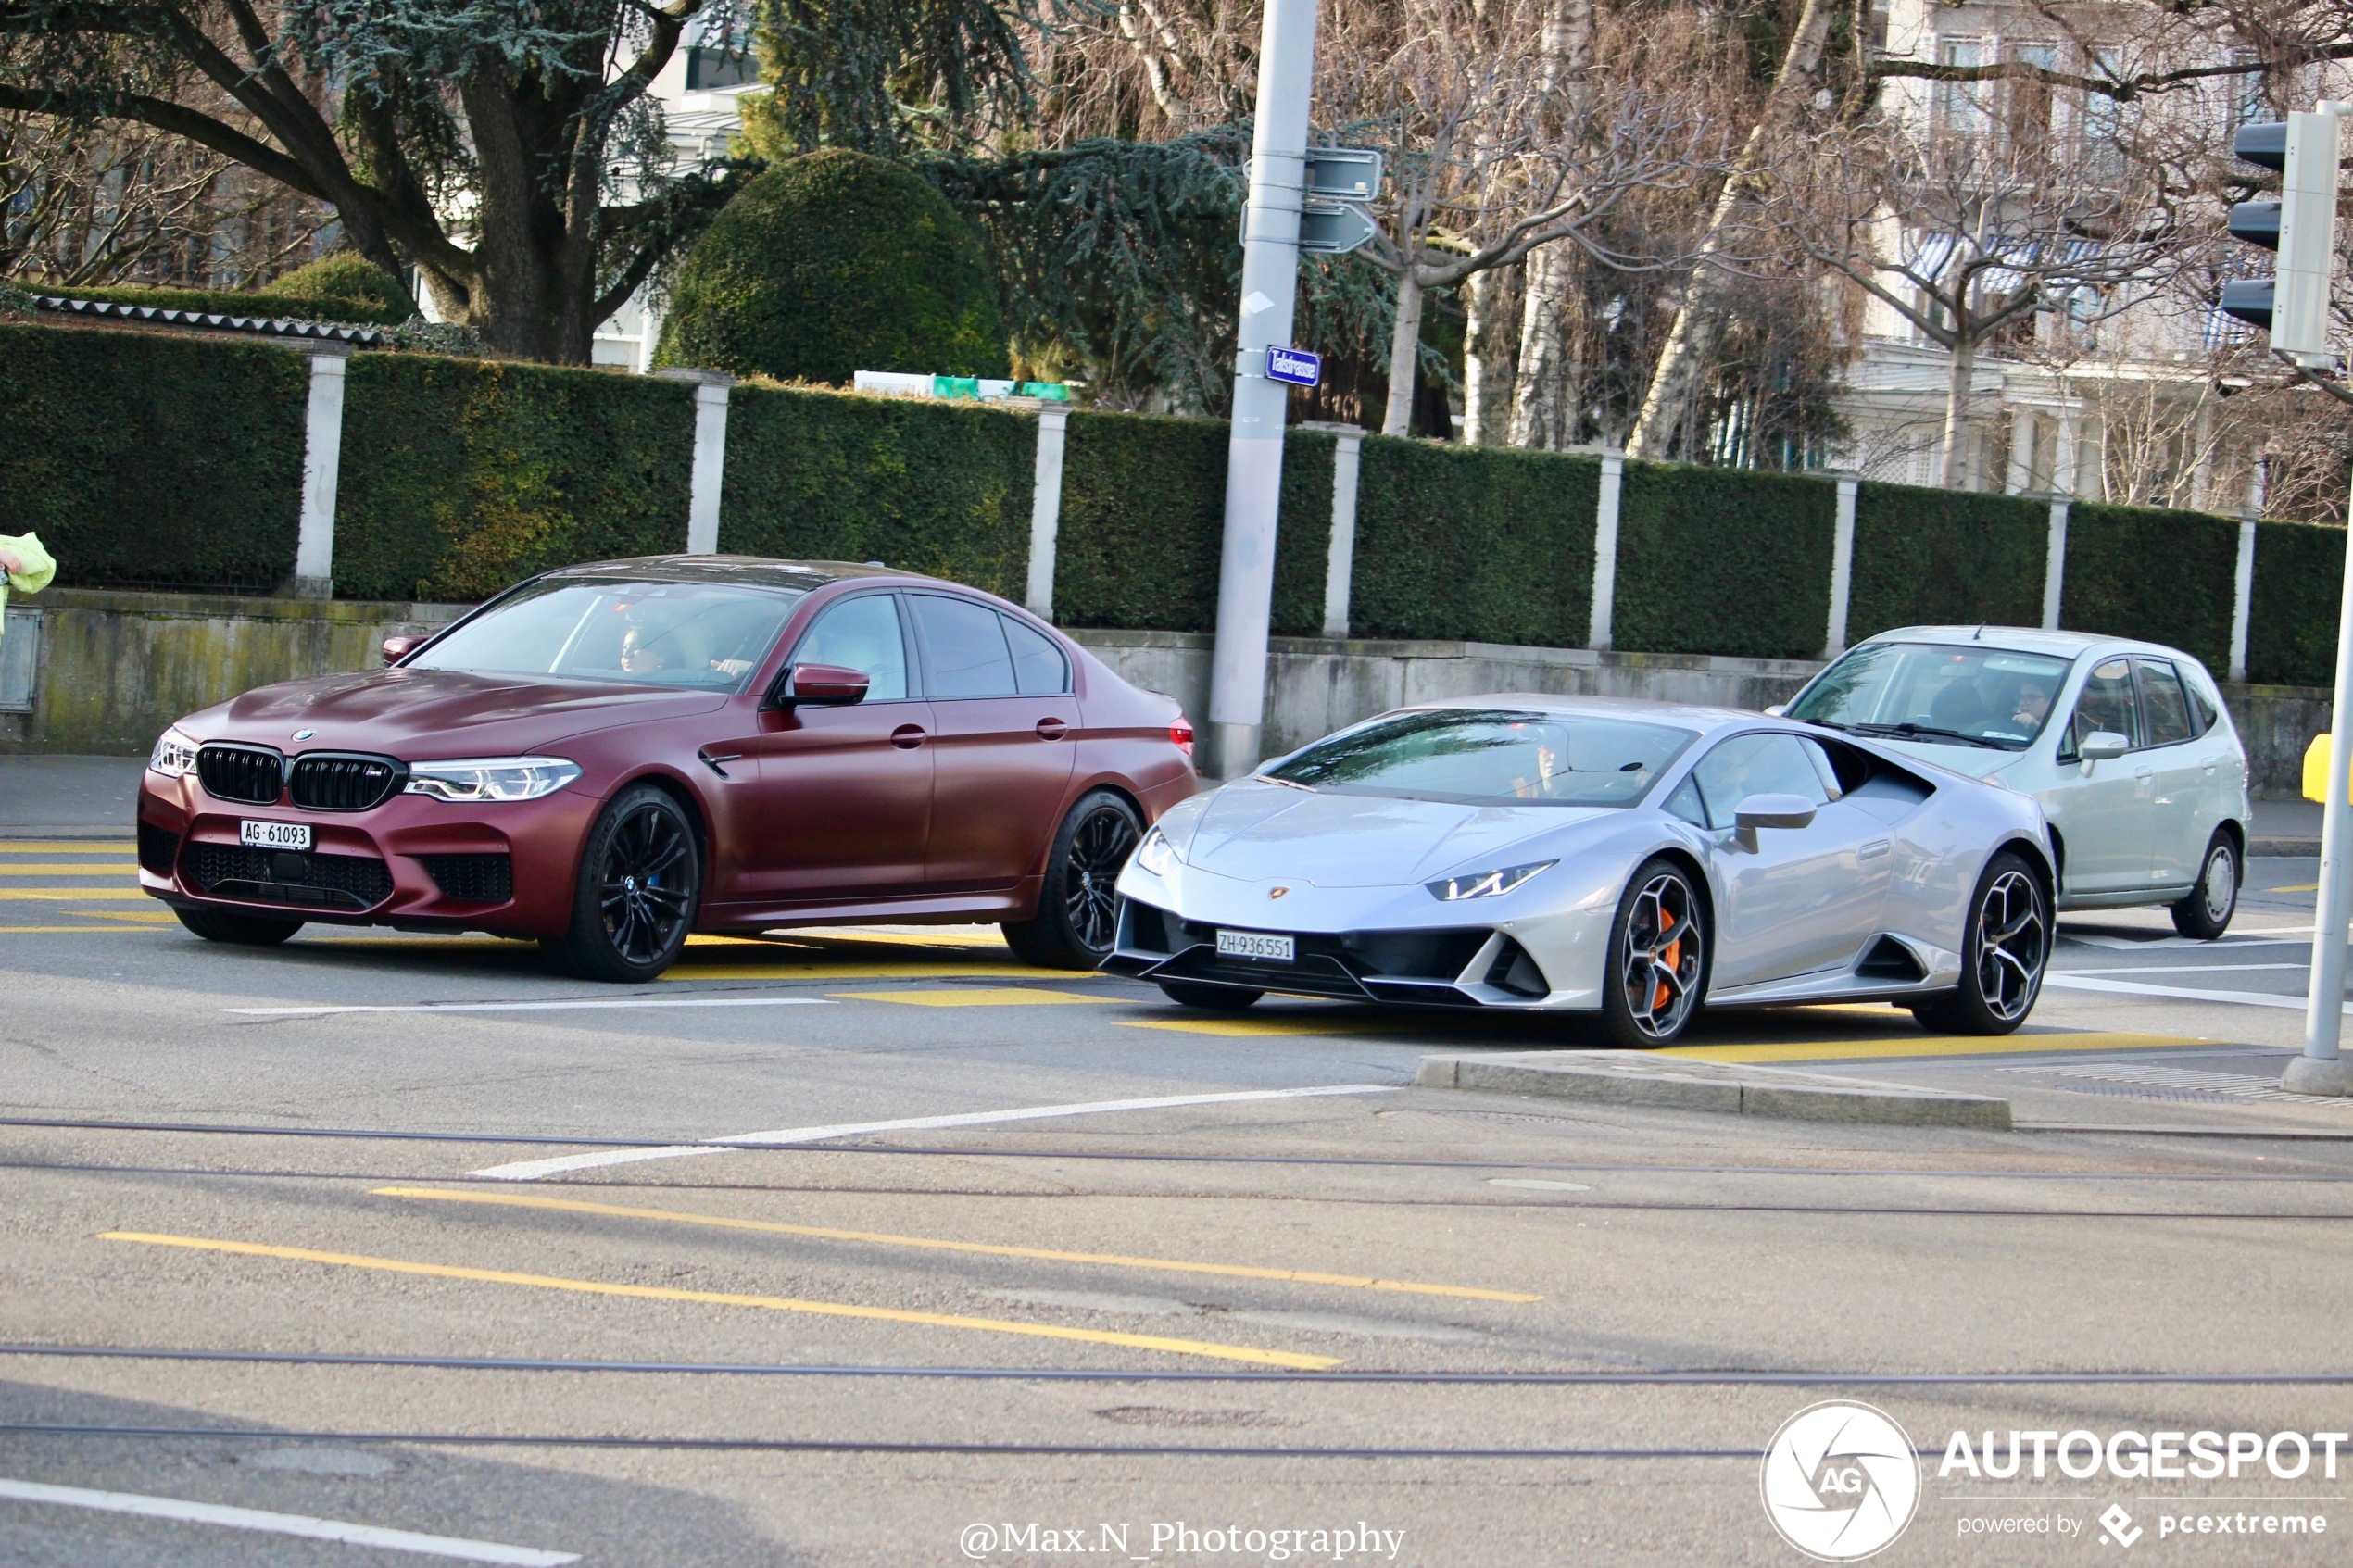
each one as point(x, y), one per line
point(697, 634)
point(1950, 693)
point(1490, 758)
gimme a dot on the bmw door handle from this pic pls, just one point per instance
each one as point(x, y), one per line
point(1051, 729)
point(907, 736)
point(1872, 850)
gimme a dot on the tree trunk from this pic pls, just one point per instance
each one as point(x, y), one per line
point(1541, 415)
point(1404, 356)
point(1957, 393)
point(1487, 367)
point(1691, 344)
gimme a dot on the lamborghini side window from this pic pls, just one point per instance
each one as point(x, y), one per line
point(1758, 764)
point(1685, 803)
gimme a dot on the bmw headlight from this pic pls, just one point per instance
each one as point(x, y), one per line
point(492, 778)
point(1484, 884)
point(1156, 854)
point(175, 755)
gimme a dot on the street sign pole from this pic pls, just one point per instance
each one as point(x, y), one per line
point(1254, 454)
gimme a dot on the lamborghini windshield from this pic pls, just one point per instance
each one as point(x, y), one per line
point(699, 634)
point(1490, 758)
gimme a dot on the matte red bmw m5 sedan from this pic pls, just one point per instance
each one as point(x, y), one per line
point(609, 756)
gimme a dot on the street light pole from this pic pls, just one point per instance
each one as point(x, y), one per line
point(1254, 453)
point(2320, 1070)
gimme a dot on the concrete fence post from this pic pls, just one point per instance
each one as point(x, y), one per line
point(1340, 561)
point(1842, 566)
point(710, 471)
point(314, 573)
point(1606, 549)
point(1046, 508)
point(2242, 599)
point(2054, 565)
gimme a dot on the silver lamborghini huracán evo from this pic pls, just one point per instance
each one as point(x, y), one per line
point(1629, 861)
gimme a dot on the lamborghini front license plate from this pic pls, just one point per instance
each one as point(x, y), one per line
point(1256, 944)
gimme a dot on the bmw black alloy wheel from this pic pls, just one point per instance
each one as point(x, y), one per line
point(2013, 944)
point(645, 889)
point(1099, 851)
point(1663, 957)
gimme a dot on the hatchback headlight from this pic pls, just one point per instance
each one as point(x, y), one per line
point(492, 778)
point(174, 755)
point(1484, 884)
point(1156, 854)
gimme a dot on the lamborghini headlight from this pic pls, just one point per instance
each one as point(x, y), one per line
point(175, 755)
point(1156, 855)
point(492, 778)
point(1484, 884)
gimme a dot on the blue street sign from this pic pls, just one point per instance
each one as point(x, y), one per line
point(1294, 365)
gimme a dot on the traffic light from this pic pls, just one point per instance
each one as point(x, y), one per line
point(2301, 225)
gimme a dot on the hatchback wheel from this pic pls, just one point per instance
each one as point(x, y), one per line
point(2207, 913)
point(1077, 917)
point(1658, 958)
point(2002, 957)
point(228, 925)
point(640, 884)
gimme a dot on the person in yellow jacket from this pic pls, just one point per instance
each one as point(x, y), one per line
point(24, 566)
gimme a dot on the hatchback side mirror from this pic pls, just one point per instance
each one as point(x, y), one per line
point(400, 648)
point(1771, 811)
point(2101, 745)
point(824, 685)
point(1777, 711)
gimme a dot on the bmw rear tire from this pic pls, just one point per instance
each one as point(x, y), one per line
point(1077, 921)
point(2002, 957)
point(2206, 913)
point(639, 890)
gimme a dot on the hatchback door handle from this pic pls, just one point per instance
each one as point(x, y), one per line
point(1872, 850)
point(1051, 729)
point(907, 736)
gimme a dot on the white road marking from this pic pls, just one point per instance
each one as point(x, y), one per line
point(2186, 969)
point(2176, 993)
point(283, 1524)
point(576, 1005)
point(2234, 1085)
point(2281, 937)
point(532, 1170)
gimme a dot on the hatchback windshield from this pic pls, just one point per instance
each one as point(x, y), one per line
point(1949, 692)
point(1489, 758)
point(697, 634)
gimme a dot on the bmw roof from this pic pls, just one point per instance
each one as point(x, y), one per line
point(749, 571)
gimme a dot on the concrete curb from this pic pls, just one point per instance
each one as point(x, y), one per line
point(1728, 1089)
point(2283, 848)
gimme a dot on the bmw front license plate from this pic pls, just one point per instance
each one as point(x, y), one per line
point(274, 835)
point(1256, 944)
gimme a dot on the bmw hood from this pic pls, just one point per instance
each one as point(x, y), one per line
point(1258, 832)
point(436, 713)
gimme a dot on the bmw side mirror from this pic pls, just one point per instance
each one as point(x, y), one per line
point(400, 648)
point(824, 685)
point(1770, 812)
point(2101, 745)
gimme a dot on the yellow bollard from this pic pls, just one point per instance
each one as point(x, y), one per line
point(2316, 768)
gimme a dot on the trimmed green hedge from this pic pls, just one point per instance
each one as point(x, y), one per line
point(461, 476)
point(2159, 576)
point(1723, 560)
point(1143, 523)
point(151, 461)
point(225, 302)
point(1946, 558)
point(1485, 545)
point(2299, 576)
point(942, 488)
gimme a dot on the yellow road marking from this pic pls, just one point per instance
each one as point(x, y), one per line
point(29, 894)
point(1253, 1026)
point(2298, 887)
point(974, 996)
point(1927, 1046)
point(724, 1298)
point(61, 929)
point(866, 971)
point(844, 939)
point(1237, 1271)
point(136, 917)
point(57, 847)
point(62, 868)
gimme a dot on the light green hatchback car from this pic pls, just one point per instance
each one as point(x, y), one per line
point(2126, 744)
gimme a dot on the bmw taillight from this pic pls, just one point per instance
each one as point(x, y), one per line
point(1181, 733)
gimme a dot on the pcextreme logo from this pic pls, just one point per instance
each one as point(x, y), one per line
point(1841, 1481)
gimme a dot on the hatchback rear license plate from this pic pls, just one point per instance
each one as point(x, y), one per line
point(274, 835)
point(1256, 944)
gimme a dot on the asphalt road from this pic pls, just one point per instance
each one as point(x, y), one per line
point(412, 1236)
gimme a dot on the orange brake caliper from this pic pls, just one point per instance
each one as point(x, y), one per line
point(1673, 957)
